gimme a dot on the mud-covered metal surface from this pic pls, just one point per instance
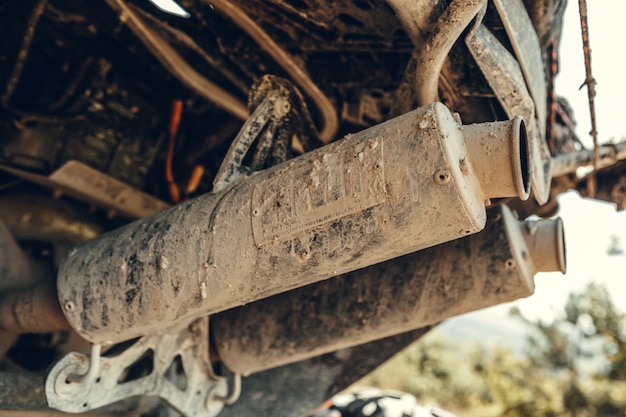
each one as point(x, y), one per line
point(608, 155)
point(26, 392)
point(15, 269)
point(279, 117)
point(105, 99)
point(298, 388)
point(15, 273)
point(392, 189)
point(31, 310)
point(90, 185)
point(180, 374)
point(45, 219)
point(504, 74)
point(420, 289)
point(611, 185)
point(433, 54)
point(525, 43)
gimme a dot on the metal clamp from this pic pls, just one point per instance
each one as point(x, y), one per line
point(94, 367)
point(235, 392)
point(517, 81)
point(172, 365)
point(278, 115)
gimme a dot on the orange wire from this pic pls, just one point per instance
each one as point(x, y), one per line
point(176, 113)
point(194, 179)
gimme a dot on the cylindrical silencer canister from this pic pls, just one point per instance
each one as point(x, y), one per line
point(423, 288)
point(392, 189)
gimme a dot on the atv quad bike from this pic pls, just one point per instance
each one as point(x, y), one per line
point(242, 207)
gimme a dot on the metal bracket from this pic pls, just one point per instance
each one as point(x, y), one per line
point(92, 186)
point(519, 27)
point(505, 76)
point(279, 119)
point(172, 365)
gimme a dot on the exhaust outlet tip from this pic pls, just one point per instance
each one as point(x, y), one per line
point(561, 247)
point(500, 156)
point(545, 240)
point(521, 162)
point(535, 245)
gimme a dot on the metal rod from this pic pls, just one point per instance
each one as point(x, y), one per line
point(235, 391)
point(298, 74)
point(177, 65)
point(94, 367)
point(433, 54)
point(32, 310)
point(188, 41)
point(607, 155)
point(29, 35)
point(591, 93)
point(15, 273)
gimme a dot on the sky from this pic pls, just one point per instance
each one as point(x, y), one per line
point(588, 224)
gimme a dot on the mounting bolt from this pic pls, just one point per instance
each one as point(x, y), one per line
point(442, 177)
point(509, 264)
point(464, 166)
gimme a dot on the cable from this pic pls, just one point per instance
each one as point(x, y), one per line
point(177, 65)
point(433, 54)
point(299, 76)
point(22, 55)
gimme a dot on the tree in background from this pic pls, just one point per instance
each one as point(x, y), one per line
point(573, 366)
point(615, 247)
point(588, 345)
point(598, 320)
point(470, 380)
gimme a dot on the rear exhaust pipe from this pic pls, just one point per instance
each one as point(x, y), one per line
point(15, 273)
point(395, 188)
point(417, 290)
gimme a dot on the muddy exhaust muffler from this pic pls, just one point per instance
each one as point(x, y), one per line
point(494, 266)
point(404, 185)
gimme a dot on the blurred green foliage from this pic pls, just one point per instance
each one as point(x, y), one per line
point(574, 365)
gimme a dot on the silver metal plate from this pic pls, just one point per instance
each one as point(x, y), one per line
point(527, 49)
point(329, 187)
point(92, 186)
point(173, 366)
point(504, 75)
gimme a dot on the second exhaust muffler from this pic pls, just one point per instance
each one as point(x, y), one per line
point(424, 288)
